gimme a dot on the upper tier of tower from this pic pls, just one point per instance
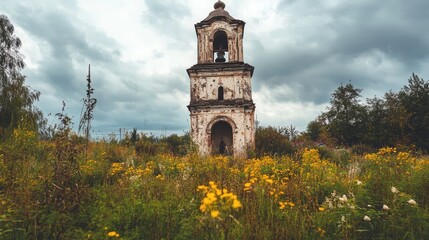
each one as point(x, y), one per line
point(220, 37)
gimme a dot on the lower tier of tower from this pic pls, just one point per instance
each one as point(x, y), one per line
point(223, 130)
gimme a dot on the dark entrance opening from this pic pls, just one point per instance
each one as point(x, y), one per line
point(221, 138)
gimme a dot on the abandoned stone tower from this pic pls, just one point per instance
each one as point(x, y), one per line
point(221, 107)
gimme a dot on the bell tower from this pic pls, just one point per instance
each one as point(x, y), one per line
point(221, 107)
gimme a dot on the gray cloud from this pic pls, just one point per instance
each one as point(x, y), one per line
point(321, 44)
point(165, 18)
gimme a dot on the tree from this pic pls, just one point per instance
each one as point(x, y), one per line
point(345, 116)
point(414, 97)
point(16, 99)
point(314, 129)
point(272, 141)
point(377, 132)
point(292, 133)
point(134, 136)
point(397, 120)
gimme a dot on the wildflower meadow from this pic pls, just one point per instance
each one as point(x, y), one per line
point(66, 188)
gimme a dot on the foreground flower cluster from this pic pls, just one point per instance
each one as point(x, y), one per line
point(217, 202)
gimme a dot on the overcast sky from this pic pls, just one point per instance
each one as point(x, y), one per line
point(139, 51)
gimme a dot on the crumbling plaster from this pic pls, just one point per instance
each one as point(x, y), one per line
point(205, 86)
point(206, 37)
point(240, 119)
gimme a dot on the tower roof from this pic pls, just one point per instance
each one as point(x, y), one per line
point(219, 11)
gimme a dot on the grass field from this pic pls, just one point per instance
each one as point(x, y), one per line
point(65, 189)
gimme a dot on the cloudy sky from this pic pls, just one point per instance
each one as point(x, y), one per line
point(139, 51)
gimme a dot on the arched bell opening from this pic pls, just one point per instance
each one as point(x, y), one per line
point(220, 46)
point(221, 138)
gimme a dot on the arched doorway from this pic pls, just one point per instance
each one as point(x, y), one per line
point(221, 138)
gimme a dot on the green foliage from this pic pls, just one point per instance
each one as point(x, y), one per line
point(272, 141)
point(149, 145)
point(414, 97)
point(178, 145)
point(16, 99)
point(398, 119)
point(345, 116)
point(361, 149)
point(314, 130)
point(134, 137)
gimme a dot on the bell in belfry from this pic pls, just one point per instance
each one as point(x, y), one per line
point(220, 56)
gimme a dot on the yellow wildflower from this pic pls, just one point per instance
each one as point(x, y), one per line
point(226, 195)
point(211, 196)
point(215, 213)
point(236, 204)
point(112, 234)
point(202, 188)
point(208, 201)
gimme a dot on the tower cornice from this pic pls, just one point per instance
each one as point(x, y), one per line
point(220, 67)
point(211, 104)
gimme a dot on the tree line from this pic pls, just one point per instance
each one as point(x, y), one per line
point(397, 119)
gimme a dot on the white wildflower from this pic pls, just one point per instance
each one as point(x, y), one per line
point(394, 190)
point(366, 218)
point(385, 207)
point(359, 182)
point(343, 198)
point(411, 202)
point(134, 178)
point(369, 205)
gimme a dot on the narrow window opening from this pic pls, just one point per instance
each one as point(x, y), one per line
point(220, 93)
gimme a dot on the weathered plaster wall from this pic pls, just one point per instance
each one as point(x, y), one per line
point(206, 37)
point(205, 86)
point(240, 119)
